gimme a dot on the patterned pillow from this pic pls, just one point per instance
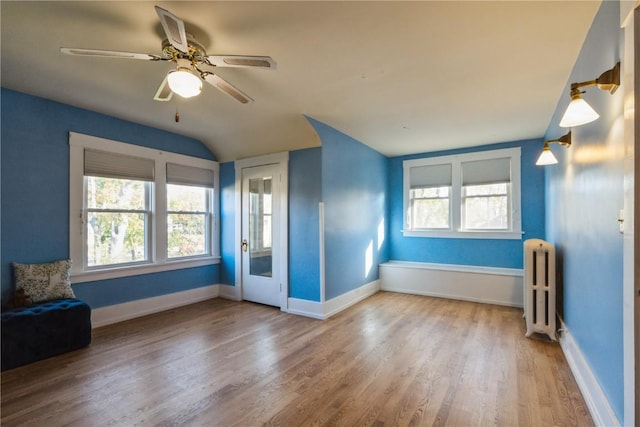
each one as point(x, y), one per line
point(41, 282)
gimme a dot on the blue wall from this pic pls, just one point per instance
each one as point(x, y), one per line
point(585, 192)
point(35, 192)
point(479, 252)
point(227, 223)
point(305, 194)
point(354, 192)
point(304, 197)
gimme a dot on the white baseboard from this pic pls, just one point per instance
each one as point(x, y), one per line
point(120, 312)
point(489, 285)
point(303, 307)
point(230, 292)
point(341, 302)
point(319, 310)
point(594, 397)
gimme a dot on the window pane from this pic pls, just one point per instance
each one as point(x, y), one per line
point(430, 213)
point(260, 227)
point(186, 198)
point(186, 234)
point(112, 193)
point(430, 207)
point(486, 213)
point(115, 238)
point(486, 207)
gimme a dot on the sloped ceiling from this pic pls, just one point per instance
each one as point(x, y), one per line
point(401, 77)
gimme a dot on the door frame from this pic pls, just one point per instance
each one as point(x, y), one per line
point(281, 161)
point(630, 25)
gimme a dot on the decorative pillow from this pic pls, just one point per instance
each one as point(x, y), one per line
point(41, 282)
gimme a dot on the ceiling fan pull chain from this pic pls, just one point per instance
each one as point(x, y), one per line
point(177, 115)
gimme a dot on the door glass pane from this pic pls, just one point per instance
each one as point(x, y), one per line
point(260, 227)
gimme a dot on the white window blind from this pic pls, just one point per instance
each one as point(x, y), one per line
point(189, 175)
point(430, 176)
point(114, 165)
point(490, 171)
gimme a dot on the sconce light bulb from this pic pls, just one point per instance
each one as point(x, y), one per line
point(546, 157)
point(578, 113)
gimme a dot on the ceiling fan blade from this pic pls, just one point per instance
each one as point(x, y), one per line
point(163, 93)
point(226, 87)
point(174, 29)
point(265, 62)
point(109, 54)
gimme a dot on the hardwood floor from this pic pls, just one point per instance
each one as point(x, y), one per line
point(392, 359)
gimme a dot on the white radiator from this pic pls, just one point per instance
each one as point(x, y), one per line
point(540, 287)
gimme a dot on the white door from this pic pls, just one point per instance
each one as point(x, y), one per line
point(261, 234)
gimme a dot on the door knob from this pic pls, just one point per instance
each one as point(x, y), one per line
point(244, 245)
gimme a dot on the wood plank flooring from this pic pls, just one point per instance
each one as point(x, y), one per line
point(391, 360)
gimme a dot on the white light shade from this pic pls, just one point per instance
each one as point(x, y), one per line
point(546, 158)
point(183, 82)
point(578, 113)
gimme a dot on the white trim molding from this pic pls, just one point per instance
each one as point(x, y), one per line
point(230, 292)
point(324, 310)
point(489, 285)
point(157, 258)
point(321, 249)
point(594, 397)
point(455, 198)
point(630, 23)
point(129, 310)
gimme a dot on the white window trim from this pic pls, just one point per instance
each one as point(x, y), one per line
point(159, 260)
point(456, 161)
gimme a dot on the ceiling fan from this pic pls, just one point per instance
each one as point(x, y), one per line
point(192, 62)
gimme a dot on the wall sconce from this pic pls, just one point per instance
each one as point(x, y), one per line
point(579, 112)
point(547, 157)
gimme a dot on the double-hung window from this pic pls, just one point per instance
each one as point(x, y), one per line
point(430, 197)
point(189, 210)
point(486, 194)
point(136, 210)
point(117, 214)
point(472, 195)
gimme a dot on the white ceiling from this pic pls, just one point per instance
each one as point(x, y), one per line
point(401, 77)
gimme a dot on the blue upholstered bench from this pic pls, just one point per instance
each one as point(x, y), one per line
point(44, 330)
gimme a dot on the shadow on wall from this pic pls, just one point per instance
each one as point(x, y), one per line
point(559, 282)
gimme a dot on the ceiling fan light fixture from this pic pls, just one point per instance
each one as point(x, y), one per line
point(181, 48)
point(184, 82)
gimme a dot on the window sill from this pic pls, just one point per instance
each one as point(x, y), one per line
point(113, 273)
point(447, 234)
